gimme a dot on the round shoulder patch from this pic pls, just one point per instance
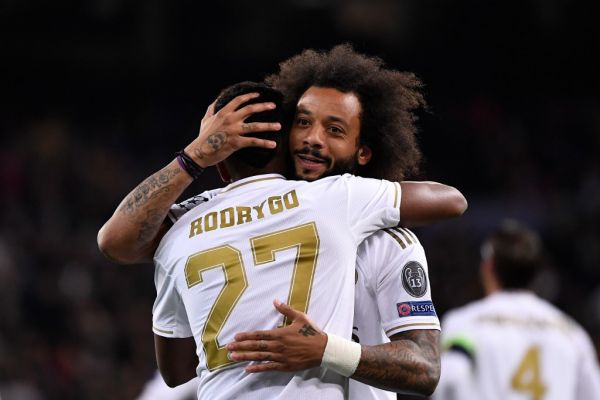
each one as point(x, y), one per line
point(414, 279)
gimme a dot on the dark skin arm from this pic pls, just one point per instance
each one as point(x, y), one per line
point(410, 363)
point(423, 203)
point(176, 359)
point(133, 232)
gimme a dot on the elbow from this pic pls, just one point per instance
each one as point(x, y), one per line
point(172, 380)
point(461, 205)
point(431, 379)
point(457, 203)
point(109, 246)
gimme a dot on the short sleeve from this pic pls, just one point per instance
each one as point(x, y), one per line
point(169, 318)
point(401, 281)
point(588, 377)
point(372, 205)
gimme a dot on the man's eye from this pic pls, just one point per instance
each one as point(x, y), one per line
point(302, 122)
point(335, 130)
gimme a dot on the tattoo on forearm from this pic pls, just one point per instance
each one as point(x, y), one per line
point(150, 225)
point(152, 187)
point(307, 330)
point(214, 141)
point(410, 364)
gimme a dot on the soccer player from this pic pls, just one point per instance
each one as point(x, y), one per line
point(260, 237)
point(377, 139)
point(513, 344)
point(402, 98)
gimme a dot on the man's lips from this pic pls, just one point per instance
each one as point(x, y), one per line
point(307, 161)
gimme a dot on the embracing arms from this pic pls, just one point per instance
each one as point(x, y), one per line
point(410, 363)
point(423, 203)
point(133, 232)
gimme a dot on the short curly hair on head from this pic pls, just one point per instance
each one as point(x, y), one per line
point(389, 99)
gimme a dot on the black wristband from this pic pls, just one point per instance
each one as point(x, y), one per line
point(189, 165)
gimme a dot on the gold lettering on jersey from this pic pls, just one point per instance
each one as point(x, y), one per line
point(227, 217)
point(239, 215)
point(290, 200)
point(259, 210)
point(244, 214)
point(275, 204)
point(210, 222)
point(196, 227)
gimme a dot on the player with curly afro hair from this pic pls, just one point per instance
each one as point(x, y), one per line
point(385, 102)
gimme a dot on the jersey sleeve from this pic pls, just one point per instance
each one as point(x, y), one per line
point(372, 205)
point(588, 376)
point(401, 281)
point(177, 210)
point(456, 379)
point(169, 318)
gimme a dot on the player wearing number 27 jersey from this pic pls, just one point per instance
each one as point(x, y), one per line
point(221, 264)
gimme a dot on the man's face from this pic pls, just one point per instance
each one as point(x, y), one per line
point(324, 138)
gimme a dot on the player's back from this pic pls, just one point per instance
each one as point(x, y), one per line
point(261, 239)
point(522, 347)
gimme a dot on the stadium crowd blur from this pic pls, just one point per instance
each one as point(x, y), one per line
point(97, 94)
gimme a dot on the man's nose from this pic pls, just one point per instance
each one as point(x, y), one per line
point(315, 137)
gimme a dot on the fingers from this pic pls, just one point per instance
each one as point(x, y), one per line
point(210, 111)
point(255, 356)
point(260, 127)
point(255, 345)
point(255, 142)
point(238, 101)
point(268, 366)
point(250, 109)
point(288, 311)
point(256, 335)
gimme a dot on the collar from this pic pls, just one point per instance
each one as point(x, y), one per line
point(251, 180)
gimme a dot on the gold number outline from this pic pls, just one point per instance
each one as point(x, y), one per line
point(216, 355)
point(529, 363)
point(263, 248)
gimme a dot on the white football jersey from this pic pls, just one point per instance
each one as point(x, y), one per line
point(521, 348)
point(220, 266)
point(392, 295)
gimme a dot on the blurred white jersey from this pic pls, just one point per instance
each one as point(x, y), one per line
point(392, 295)
point(220, 266)
point(520, 348)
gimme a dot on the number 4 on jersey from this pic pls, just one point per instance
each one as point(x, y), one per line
point(527, 377)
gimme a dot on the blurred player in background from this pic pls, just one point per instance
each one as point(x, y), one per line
point(513, 345)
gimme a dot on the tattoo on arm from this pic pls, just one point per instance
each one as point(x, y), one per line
point(214, 141)
point(408, 364)
point(147, 205)
point(307, 330)
point(151, 188)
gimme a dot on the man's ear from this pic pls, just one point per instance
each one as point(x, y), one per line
point(223, 173)
point(364, 154)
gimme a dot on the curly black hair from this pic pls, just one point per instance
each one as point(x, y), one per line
point(389, 99)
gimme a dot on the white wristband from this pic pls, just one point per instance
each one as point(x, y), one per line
point(341, 355)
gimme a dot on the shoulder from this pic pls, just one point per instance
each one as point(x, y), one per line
point(391, 243)
point(464, 315)
point(177, 210)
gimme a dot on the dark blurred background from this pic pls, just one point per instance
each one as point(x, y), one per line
point(97, 94)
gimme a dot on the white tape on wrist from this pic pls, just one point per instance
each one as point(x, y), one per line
point(341, 355)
